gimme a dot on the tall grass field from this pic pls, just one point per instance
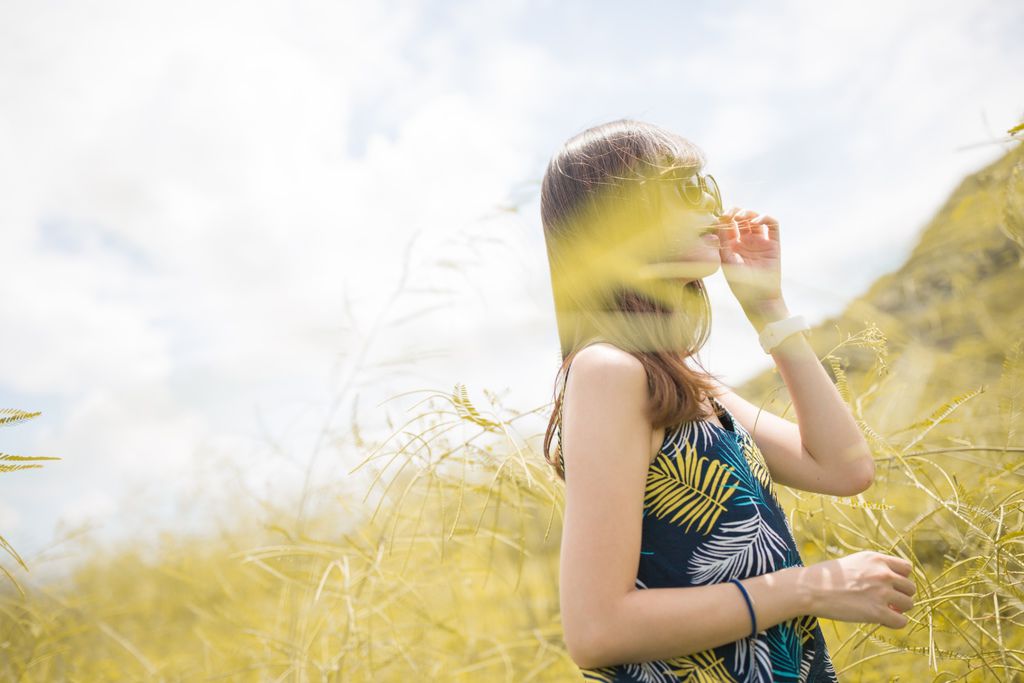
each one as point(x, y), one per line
point(443, 566)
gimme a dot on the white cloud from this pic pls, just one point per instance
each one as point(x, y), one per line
point(192, 190)
point(88, 508)
point(186, 217)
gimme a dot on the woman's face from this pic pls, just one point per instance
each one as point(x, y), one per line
point(690, 247)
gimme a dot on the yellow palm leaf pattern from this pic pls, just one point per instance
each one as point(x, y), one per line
point(691, 488)
point(705, 666)
point(758, 465)
point(805, 625)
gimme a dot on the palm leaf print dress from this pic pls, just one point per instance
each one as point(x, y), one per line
point(711, 514)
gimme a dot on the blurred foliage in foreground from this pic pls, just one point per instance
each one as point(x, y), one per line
point(448, 570)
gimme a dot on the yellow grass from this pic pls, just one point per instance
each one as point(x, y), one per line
point(447, 569)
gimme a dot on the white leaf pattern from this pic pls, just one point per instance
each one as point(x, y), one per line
point(744, 547)
point(805, 664)
point(753, 658)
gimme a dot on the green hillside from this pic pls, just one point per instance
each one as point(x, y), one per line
point(949, 313)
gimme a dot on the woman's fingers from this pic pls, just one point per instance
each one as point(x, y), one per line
point(898, 564)
point(771, 222)
point(727, 225)
point(900, 602)
point(904, 585)
point(893, 619)
point(748, 221)
point(743, 221)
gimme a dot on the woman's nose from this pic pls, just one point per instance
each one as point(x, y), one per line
point(709, 203)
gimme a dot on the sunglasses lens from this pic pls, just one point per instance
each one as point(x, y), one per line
point(712, 186)
point(691, 191)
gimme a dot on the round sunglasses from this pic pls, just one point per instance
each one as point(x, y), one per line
point(693, 192)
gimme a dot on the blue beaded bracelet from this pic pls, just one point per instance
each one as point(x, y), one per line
point(750, 607)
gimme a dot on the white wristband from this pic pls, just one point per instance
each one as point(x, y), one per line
point(773, 333)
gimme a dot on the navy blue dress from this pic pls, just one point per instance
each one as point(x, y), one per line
point(711, 514)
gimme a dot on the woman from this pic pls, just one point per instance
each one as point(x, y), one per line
point(677, 561)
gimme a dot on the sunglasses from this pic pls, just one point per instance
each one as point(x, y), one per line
point(693, 192)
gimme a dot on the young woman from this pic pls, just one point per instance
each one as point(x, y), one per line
point(677, 560)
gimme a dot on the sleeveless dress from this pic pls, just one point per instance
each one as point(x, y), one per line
point(711, 514)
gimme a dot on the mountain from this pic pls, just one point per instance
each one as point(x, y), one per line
point(949, 314)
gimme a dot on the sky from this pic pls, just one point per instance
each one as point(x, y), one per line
point(233, 229)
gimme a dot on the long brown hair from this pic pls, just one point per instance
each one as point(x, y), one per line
point(599, 213)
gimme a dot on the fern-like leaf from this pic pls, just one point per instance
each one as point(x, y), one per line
point(941, 415)
point(12, 415)
point(465, 408)
point(840, 375)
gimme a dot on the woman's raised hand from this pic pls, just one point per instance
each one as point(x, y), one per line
point(751, 256)
point(865, 587)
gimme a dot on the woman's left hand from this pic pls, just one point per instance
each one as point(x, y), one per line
point(751, 256)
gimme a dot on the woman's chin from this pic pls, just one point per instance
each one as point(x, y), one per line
point(707, 258)
point(705, 248)
point(698, 263)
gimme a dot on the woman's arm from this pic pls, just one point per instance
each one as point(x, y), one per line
point(828, 430)
point(606, 619)
point(661, 623)
point(751, 254)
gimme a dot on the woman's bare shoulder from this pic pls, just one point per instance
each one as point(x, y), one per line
point(604, 364)
point(602, 352)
